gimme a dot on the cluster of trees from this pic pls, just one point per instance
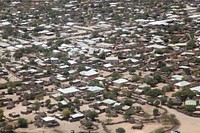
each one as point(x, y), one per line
point(153, 81)
point(152, 92)
point(184, 94)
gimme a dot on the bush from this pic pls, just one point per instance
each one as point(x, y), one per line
point(23, 123)
point(120, 130)
point(191, 44)
point(154, 92)
point(190, 108)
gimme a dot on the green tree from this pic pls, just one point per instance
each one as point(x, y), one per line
point(92, 114)
point(155, 112)
point(36, 106)
point(191, 44)
point(120, 130)
point(184, 94)
point(190, 108)
point(154, 92)
point(1, 114)
point(47, 102)
point(157, 102)
point(66, 113)
point(151, 81)
point(23, 123)
point(115, 75)
point(127, 114)
point(88, 124)
point(128, 102)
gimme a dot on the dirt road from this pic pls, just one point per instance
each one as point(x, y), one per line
point(187, 124)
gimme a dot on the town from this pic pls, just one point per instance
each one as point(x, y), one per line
point(99, 66)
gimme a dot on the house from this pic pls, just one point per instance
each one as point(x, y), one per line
point(120, 82)
point(112, 59)
point(197, 88)
point(76, 117)
point(191, 102)
point(49, 121)
point(95, 89)
point(68, 92)
point(90, 74)
point(182, 84)
point(108, 102)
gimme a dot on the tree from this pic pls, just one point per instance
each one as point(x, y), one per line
point(157, 102)
point(47, 102)
point(6, 128)
point(23, 123)
point(190, 108)
point(18, 54)
point(150, 81)
point(154, 92)
point(168, 88)
point(170, 103)
point(36, 106)
point(1, 114)
point(92, 114)
point(183, 95)
point(127, 114)
point(191, 44)
point(131, 70)
point(102, 55)
point(155, 112)
point(109, 95)
point(115, 75)
point(120, 130)
point(88, 124)
point(66, 113)
point(157, 77)
point(135, 78)
point(81, 68)
point(76, 101)
point(128, 102)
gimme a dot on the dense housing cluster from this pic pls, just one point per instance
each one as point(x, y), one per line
point(104, 66)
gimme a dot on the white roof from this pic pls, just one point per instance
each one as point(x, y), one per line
point(72, 62)
point(194, 16)
point(46, 119)
point(162, 22)
point(89, 72)
point(112, 58)
point(182, 83)
point(177, 77)
point(132, 60)
point(116, 104)
point(156, 46)
point(184, 67)
point(63, 102)
point(197, 88)
point(77, 115)
point(69, 90)
point(95, 89)
point(107, 65)
point(120, 81)
point(109, 101)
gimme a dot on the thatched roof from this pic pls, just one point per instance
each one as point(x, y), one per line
point(25, 103)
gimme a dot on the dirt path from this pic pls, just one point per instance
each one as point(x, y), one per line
point(187, 124)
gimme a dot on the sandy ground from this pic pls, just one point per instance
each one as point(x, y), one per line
point(187, 124)
point(128, 127)
point(2, 81)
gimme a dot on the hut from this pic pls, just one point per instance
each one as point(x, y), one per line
point(10, 105)
point(138, 125)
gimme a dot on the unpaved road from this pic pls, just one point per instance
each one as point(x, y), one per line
point(187, 124)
